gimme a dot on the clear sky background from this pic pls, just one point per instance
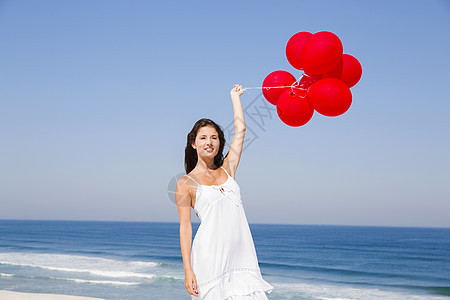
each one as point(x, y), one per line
point(97, 97)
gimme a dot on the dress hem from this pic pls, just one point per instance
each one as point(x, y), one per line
point(236, 284)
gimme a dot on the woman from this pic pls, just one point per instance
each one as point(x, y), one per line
point(222, 263)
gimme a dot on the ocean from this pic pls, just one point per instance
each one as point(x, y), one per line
point(131, 260)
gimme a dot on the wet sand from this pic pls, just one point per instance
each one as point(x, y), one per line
point(7, 295)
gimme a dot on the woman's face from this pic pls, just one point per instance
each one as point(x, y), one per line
point(207, 142)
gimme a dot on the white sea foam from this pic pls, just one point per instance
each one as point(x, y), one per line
point(6, 275)
point(96, 281)
point(39, 258)
point(114, 274)
point(321, 291)
point(96, 266)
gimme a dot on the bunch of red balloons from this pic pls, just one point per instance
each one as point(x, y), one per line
point(325, 84)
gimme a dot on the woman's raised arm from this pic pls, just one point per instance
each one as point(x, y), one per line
point(234, 154)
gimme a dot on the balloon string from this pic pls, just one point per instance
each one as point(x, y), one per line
point(273, 87)
point(295, 85)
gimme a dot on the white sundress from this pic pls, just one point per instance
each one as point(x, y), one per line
point(223, 255)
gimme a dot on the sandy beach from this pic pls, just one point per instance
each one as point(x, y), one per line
point(7, 295)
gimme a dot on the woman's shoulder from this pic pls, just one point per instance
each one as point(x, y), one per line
point(183, 179)
point(185, 182)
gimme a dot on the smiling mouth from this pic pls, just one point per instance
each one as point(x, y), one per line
point(209, 150)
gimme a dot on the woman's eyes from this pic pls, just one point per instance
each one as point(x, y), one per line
point(204, 138)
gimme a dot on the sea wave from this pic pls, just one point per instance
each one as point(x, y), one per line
point(32, 258)
point(439, 290)
point(319, 291)
point(78, 280)
point(338, 271)
point(113, 274)
point(96, 281)
point(94, 266)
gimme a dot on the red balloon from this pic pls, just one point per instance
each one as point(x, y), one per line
point(293, 109)
point(274, 79)
point(348, 70)
point(351, 70)
point(322, 53)
point(336, 72)
point(294, 48)
point(330, 97)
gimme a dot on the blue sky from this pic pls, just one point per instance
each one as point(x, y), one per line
point(97, 98)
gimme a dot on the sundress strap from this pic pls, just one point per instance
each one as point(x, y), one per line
point(225, 171)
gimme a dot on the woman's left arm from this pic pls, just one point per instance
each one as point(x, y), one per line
point(234, 154)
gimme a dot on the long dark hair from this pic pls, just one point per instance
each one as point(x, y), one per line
point(190, 154)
